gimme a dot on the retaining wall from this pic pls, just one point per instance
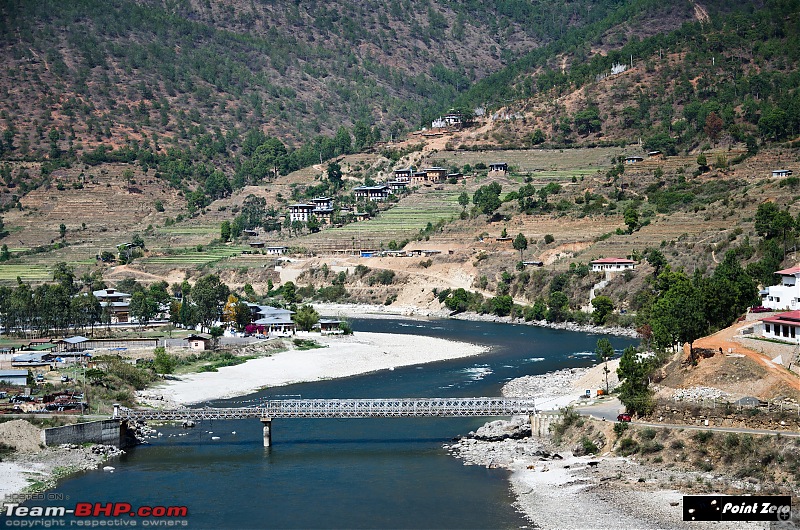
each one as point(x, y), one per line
point(108, 432)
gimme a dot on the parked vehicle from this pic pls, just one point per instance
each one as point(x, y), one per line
point(624, 417)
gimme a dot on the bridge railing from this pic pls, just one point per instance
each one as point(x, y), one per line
point(344, 408)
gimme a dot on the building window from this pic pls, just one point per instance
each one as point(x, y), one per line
point(785, 331)
point(792, 331)
point(766, 328)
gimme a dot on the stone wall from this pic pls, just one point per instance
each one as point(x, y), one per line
point(750, 418)
point(541, 422)
point(107, 432)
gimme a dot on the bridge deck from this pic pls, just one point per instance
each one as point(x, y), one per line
point(344, 408)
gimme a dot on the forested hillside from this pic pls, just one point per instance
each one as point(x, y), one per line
point(730, 76)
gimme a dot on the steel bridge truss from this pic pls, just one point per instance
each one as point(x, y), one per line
point(343, 408)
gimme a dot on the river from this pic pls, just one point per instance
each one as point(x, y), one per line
point(350, 473)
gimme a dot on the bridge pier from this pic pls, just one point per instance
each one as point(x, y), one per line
point(267, 431)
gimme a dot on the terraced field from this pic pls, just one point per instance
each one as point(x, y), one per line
point(28, 273)
point(403, 221)
point(190, 258)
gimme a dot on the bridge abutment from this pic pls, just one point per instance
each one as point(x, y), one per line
point(267, 422)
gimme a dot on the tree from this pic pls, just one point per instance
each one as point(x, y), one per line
point(487, 198)
point(656, 260)
point(604, 352)
point(62, 230)
point(229, 311)
point(216, 332)
point(335, 174)
point(634, 376)
point(225, 231)
point(143, 308)
point(558, 307)
point(713, 126)
point(678, 315)
point(4, 232)
point(603, 306)
point(207, 294)
point(631, 216)
point(463, 200)
point(289, 291)
point(765, 219)
point(520, 243)
point(702, 162)
point(306, 317)
point(163, 362)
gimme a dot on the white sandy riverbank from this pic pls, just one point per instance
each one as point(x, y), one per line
point(342, 356)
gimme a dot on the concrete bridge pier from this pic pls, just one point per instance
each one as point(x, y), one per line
point(267, 431)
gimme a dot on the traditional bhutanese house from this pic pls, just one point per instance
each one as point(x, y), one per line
point(498, 166)
point(257, 244)
point(300, 212)
point(322, 202)
point(397, 185)
point(198, 341)
point(453, 119)
point(612, 265)
point(786, 295)
point(418, 178)
point(783, 326)
point(633, 159)
point(455, 176)
point(435, 174)
point(781, 173)
point(654, 154)
point(277, 250)
point(275, 320)
point(328, 326)
point(14, 377)
point(251, 233)
point(116, 302)
point(403, 175)
point(377, 193)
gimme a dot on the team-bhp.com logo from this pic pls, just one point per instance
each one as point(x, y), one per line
point(737, 507)
point(88, 514)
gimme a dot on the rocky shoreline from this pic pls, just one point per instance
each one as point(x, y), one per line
point(380, 311)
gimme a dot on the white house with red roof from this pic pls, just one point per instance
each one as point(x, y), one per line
point(783, 326)
point(786, 295)
point(612, 265)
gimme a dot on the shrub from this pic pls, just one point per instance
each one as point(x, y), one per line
point(647, 434)
point(651, 447)
point(548, 238)
point(620, 427)
point(628, 446)
point(588, 446)
point(703, 436)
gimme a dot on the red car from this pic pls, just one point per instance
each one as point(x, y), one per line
point(624, 417)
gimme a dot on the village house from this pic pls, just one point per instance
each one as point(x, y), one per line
point(786, 295)
point(612, 265)
point(783, 327)
point(403, 175)
point(257, 244)
point(418, 178)
point(118, 303)
point(633, 159)
point(198, 341)
point(435, 174)
point(378, 193)
point(501, 167)
point(329, 326)
point(277, 250)
point(781, 173)
point(272, 319)
point(300, 212)
point(396, 186)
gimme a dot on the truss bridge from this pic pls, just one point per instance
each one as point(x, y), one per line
point(340, 408)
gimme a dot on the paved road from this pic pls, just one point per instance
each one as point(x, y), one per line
point(609, 408)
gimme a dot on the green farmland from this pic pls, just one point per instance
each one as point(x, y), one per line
point(28, 273)
point(192, 258)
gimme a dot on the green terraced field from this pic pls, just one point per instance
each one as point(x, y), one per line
point(9, 273)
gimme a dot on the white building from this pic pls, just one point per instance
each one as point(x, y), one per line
point(300, 212)
point(612, 265)
point(783, 326)
point(787, 294)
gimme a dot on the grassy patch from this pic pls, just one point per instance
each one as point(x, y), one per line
point(306, 344)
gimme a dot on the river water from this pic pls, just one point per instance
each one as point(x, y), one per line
point(350, 473)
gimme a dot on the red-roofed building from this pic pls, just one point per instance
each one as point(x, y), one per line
point(612, 265)
point(783, 326)
point(787, 294)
